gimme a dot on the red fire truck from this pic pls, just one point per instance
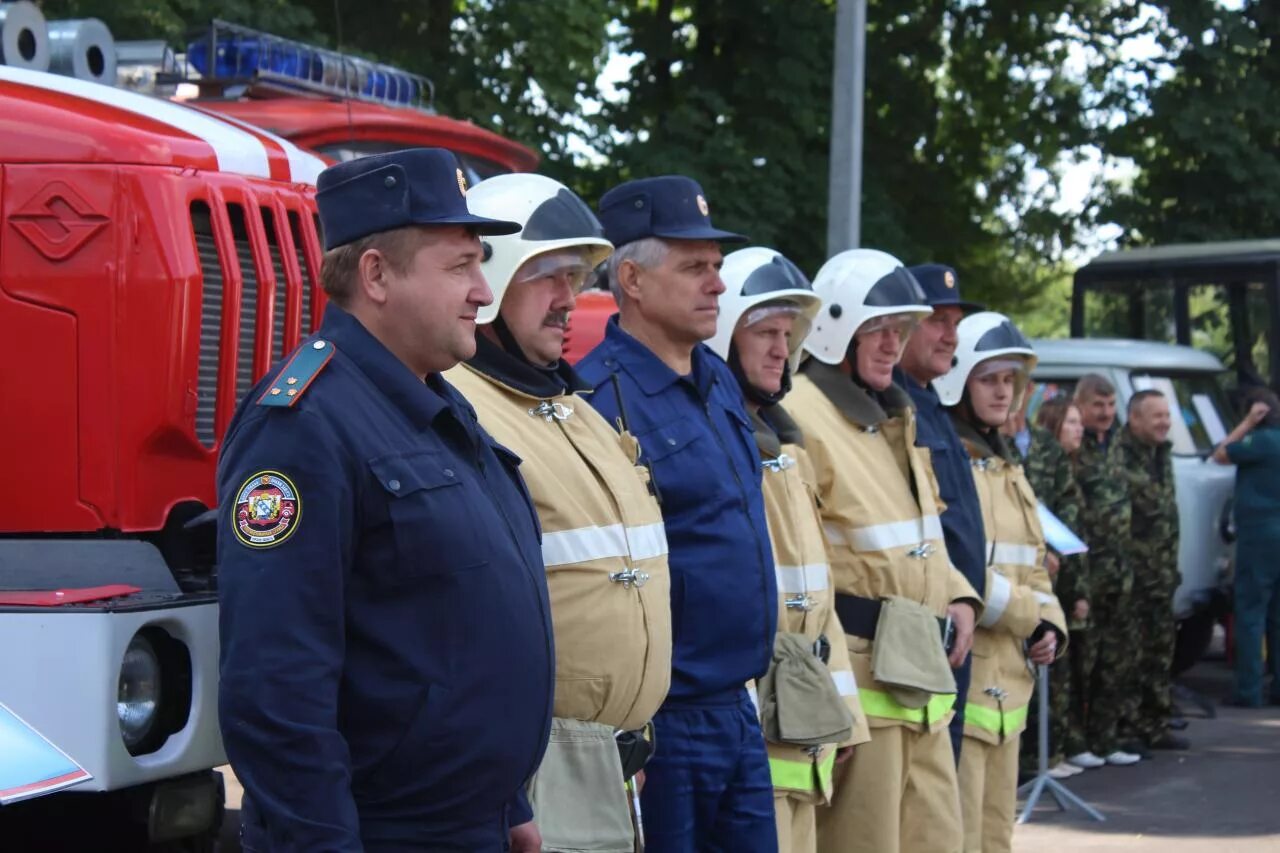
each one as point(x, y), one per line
point(155, 260)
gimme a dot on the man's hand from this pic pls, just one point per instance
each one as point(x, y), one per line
point(525, 838)
point(1257, 412)
point(1045, 650)
point(1052, 563)
point(639, 780)
point(843, 754)
point(1081, 610)
point(962, 617)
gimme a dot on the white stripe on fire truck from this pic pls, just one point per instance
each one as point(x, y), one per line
point(235, 150)
point(583, 544)
point(303, 167)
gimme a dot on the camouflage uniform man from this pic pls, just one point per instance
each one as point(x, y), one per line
point(1052, 476)
point(1143, 450)
point(1105, 524)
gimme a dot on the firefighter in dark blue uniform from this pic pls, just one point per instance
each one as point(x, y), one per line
point(387, 662)
point(708, 786)
point(930, 353)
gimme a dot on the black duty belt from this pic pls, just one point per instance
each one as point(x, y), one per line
point(859, 616)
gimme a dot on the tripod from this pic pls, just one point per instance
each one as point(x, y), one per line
point(1037, 786)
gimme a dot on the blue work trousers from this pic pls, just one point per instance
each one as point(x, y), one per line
point(1257, 613)
point(707, 788)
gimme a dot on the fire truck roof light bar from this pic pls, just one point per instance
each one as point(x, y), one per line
point(231, 53)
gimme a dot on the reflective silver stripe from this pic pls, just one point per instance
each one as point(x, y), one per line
point(895, 534)
point(1046, 598)
point(583, 544)
point(997, 600)
point(754, 697)
point(835, 533)
point(1010, 554)
point(845, 683)
point(809, 578)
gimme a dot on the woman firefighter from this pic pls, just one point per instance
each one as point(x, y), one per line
point(897, 593)
point(1022, 623)
point(809, 700)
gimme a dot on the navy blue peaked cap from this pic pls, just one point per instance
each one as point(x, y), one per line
point(941, 286)
point(416, 186)
point(670, 206)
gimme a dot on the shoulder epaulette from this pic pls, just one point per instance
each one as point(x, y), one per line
point(298, 373)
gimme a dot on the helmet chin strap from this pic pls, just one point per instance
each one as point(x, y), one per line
point(753, 393)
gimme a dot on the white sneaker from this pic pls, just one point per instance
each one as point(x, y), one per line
point(1086, 761)
point(1063, 770)
point(1121, 758)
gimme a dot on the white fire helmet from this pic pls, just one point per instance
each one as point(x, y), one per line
point(859, 286)
point(558, 233)
point(989, 342)
point(760, 283)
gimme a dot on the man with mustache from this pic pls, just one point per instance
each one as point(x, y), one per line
point(387, 661)
point(602, 536)
point(708, 785)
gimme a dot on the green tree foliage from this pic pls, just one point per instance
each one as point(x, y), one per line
point(1207, 145)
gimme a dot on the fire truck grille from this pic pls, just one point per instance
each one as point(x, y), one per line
point(295, 230)
point(210, 323)
point(282, 285)
point(249, 295)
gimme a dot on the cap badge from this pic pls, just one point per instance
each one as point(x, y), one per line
point(462, 182)
point(702, 206)
point(949, 278)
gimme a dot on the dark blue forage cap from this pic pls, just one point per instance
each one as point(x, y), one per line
point(416, 186)
point(942, 286)
point(671, 206)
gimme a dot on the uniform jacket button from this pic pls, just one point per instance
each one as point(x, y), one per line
point(448, 472)
point(393, 485)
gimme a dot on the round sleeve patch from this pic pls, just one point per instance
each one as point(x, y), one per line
point(267, 510)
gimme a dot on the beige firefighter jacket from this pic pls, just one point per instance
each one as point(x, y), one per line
point(1019, 593)
point(805, 602)
point(603, 544)
point(880, 505)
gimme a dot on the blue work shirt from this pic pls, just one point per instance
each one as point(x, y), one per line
point(962, 521)
point(387, 661)
point(697, 440)
point(1257, 499)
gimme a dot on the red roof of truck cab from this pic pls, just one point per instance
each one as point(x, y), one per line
point(49, 118)
point(315, 123)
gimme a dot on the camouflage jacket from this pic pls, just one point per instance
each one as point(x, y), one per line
point(1105, 521)
point(1149, 470)
point(1052, 477)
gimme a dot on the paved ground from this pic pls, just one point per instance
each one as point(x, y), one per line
point(1223, 796)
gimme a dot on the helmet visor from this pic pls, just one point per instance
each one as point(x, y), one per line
point(571, 263)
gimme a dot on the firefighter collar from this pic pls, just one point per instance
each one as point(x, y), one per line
point(982, 443)
point(516, 373)
point(850, 399)
point(773, 428)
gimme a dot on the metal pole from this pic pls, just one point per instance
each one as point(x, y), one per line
point(1043, 782)
point(848, 83)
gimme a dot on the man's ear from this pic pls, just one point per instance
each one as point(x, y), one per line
point(373, 276)
point(629, 279)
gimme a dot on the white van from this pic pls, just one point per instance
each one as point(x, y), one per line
point(1193, 382)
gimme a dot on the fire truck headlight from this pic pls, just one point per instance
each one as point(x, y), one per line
point(138, 694)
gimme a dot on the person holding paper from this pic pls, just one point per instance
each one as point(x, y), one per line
point(1022, 623)
point(1050, 467)
point(1254, 447)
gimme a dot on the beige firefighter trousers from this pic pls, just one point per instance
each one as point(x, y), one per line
point(988, 794)
point(797, 824)
point(897, 794)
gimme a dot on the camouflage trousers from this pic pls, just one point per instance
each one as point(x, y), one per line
point(1153, 675)
point(1111, 695)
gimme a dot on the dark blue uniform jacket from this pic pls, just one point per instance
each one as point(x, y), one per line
point(387, 663)
point(695, 436)
point(962, 521)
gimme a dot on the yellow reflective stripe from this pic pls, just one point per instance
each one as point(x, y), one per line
point(993, 720)
point(800, 776)
point(876, 703)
